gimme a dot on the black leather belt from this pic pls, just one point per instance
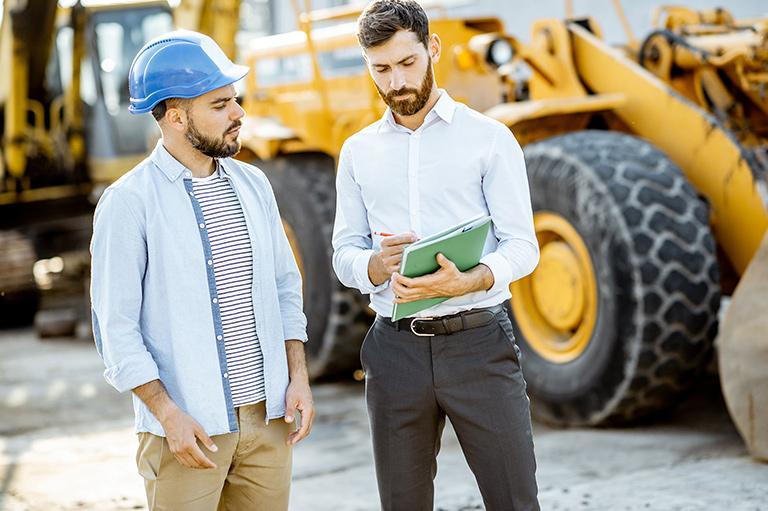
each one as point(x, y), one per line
point(446, 325)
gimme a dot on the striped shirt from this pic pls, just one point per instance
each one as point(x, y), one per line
point(233, 272)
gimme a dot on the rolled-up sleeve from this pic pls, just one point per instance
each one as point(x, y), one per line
point(118, 263)
point(287, 276)
point(352, 246)
point(505, 186)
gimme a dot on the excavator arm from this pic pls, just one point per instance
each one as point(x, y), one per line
point(25, 44)
point(219, 19)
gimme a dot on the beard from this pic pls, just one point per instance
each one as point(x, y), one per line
point(418, 97)
point(213, 147)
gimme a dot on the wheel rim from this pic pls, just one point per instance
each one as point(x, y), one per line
point(293, 240)
point(556, 306)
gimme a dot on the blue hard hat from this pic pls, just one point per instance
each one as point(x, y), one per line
point(179, 64)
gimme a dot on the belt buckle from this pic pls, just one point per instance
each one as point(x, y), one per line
point(414, 332)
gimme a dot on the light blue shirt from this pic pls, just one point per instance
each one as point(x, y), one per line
point(155, 306)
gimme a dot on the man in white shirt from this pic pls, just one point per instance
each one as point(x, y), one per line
point(428, 164)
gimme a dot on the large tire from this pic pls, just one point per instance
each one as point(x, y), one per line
point(65, 302)
point(336, 318)
point(656, 275)
point(19, 297)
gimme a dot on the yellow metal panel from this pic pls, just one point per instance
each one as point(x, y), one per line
point(709, 155)
point(73, 109)
point(107, 170)
point(43, 194)
point(16, 111)
point(323, 112)
point(219, 19)
point(295, 43)
point(513, 113)
point(5, 53)
point(549, 55)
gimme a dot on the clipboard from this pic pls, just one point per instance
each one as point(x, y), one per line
point(462, 244)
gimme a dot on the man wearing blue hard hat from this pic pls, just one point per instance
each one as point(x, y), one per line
point(197, 305)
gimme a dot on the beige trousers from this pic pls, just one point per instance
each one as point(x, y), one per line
point(253, 469)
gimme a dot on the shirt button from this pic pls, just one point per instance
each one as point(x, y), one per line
point(191, 194)
point(219, 337)
point(210, 262)
point(202, 226)
point(215, 300)
point(226, 375)
point(187, 174)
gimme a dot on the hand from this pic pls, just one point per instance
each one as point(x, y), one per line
point(182, 433)
point(446, 281)
point(384, 263)
point(298, 396)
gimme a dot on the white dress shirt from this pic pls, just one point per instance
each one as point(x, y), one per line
point(457, 165)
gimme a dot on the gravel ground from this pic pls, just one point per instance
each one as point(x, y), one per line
point(66, 443)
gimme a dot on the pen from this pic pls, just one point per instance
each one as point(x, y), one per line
point(377, 233)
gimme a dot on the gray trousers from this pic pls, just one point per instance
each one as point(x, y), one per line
point(474, 378)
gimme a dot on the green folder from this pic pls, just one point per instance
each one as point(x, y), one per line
point(463, 244)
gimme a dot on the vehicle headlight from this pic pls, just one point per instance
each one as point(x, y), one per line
point(500, 52)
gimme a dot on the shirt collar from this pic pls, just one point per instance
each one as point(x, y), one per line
point(444, 108)
point(173, 168)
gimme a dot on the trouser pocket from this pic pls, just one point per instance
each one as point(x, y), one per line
point(365, 346)
point(509, 335)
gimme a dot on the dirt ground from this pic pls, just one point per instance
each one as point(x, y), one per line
point(67, 443)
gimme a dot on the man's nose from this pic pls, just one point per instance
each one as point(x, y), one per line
point(397, 81)
point(238, 112)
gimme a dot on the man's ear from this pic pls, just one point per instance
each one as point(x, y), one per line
point(176, 118)
point(435, 47)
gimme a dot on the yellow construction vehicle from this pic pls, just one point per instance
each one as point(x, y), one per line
point(646, 164)
point(647, 218)
point(65, 133)
point(647, 171)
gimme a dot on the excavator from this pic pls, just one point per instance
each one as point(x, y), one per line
point(66, 134)
point(647, 166)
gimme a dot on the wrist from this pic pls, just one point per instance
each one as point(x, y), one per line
point(298, 374)
point(376, 273)
point(166, 410)
point(487, 279)
point(478, 278)
point(299, 377)
point(470, 283)
point(297, 362)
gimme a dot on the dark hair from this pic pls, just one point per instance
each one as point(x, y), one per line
point(158, 111)
point(383, 18)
